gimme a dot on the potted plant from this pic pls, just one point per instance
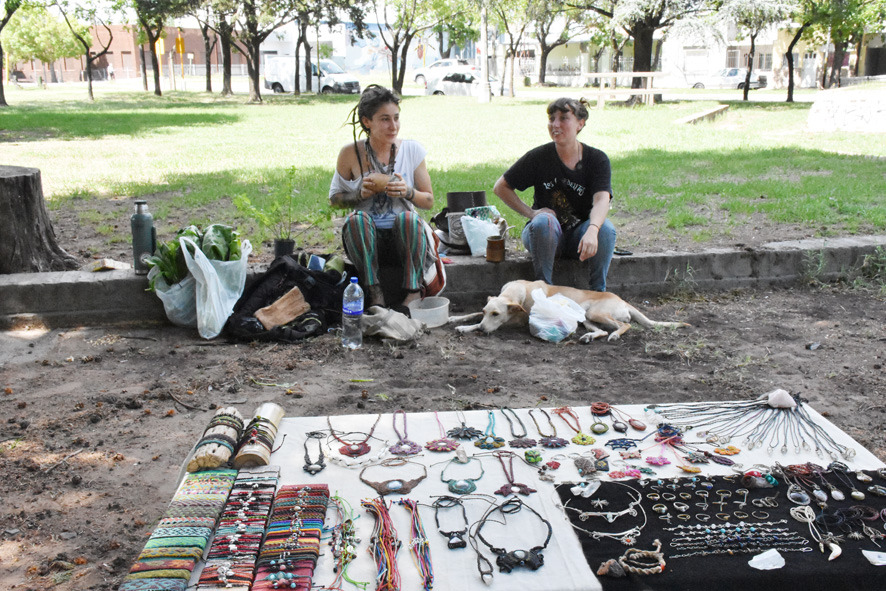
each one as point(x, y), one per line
point(278, 217)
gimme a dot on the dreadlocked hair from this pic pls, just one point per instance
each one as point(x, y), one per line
point(372, 98)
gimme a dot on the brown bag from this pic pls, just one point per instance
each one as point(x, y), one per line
point(289, 307)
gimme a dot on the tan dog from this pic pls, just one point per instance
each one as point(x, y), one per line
point(602, 309)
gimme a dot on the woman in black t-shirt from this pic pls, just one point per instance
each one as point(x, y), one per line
point(572, 190)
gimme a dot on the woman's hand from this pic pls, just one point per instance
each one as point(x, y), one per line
point(587, 247)
point(397, 187)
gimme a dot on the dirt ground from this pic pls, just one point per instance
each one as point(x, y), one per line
point(100, 420)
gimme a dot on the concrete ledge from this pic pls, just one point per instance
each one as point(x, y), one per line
point(76, 298)
point(708, 115)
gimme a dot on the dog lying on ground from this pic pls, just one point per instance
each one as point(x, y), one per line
point(603, 310)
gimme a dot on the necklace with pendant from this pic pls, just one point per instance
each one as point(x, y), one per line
point(464, 432)
point(443, 443)
point(512, 486)
point(520, 441)
point(566, 413)
point(456, 537)
point(463, 485)
point(550, 441)
point(403, 447)
point(353, 449)
point(490, 440)
point(313, 467)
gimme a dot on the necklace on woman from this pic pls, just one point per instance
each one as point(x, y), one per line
point(374, 163)
point(464, 432)
point(490, 440)
point(311, 466)
point(566, 413)
point(520, 440)
point(353, 449)
point(456, 537)
point(511, 486)
point(461, 486)
point(550, 441)
point(403, 447)
point(443, 443)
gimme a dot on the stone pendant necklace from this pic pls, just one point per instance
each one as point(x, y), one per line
point(461, 485)
point(313, 467)
point(353, 449)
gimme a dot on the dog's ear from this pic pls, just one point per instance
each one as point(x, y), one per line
point(516, 309)
point(489, 298)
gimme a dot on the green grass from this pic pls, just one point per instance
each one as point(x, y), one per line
point(192, 153)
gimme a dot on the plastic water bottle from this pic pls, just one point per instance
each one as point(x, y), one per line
point(351, 315)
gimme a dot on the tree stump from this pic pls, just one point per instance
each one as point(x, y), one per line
point(27, 240)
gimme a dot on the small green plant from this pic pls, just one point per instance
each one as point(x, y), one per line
point(683, 284)
point(873, 268)
point(279, 216)
point(813, 266)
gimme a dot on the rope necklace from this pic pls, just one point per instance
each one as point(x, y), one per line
point(566, 413)
point(313, 467)
point(443, 443)
point(403, 447)
point(550, 441)
point(353, 450)
point(511, 486)
point(456, 537)
point(507, 561)
point(490, 440)
point(520, 441)
point(461, 486)
point(464, 432)
point(419, 546)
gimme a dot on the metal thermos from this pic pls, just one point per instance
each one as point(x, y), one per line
point(144, 237)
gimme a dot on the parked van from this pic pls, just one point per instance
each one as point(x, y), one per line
point(280, 77)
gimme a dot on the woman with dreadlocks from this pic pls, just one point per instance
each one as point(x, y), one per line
point(383, 179)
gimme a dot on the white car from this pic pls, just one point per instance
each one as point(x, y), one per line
point(438, 68)
point(460, 83)
point(731, 78)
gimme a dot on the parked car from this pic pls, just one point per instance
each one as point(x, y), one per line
point(435, 70)
point(280, 77)
point(460, 83)
point(731, 78)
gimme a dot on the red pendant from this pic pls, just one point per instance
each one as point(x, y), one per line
point(354, 450)
point(639, 426)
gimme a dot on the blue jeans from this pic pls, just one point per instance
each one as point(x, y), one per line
point(545, 240)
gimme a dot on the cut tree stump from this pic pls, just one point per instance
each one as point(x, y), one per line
point(27, 240)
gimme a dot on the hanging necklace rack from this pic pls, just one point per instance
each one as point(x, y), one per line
point(520, 441)
point(550, 441)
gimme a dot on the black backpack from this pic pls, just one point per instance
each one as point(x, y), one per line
point(321, 289)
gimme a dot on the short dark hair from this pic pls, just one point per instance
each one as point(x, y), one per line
point(579, 107)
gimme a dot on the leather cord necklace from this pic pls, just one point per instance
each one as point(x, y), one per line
point(520, 441)
point(357, 449)
point(461, 486)
point(456, 537)
point(403, 447)
point(550, 441)
point(511, 486)
point(531, 558)
point(313, 467)
point(443, 443)
point(566, 413)
point(394, 486)
point(464, 432)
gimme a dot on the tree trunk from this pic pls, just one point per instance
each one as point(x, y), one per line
point(309, 76)
point(207, 51)
point(225, 31)
point(444, 53)
point(837, 66)
point(642, 52)
point(747, 76)
point(141, 51)
point(155, 63)
point(29, 244)
point(789, 55)
point(252, 69)
point(89, 77)
point(2, 82)
point(543, 63)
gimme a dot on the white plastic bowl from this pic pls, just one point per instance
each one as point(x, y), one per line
point(433, 311)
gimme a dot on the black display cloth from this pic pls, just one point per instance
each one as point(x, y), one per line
point(802, 570)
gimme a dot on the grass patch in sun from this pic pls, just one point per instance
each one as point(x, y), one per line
point(192, 153)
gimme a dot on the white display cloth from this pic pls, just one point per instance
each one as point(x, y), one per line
point(565, 568)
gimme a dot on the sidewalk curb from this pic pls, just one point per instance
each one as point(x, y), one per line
point(78, 298)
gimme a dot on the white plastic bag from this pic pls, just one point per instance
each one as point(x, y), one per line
point(219, 286)
point(553, 318)
point(477, 231)
point(179, 300)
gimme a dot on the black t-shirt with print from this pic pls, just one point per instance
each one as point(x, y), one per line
point(570, 193)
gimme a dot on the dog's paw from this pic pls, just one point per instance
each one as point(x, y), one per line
point(468, 328)
point(613, 337)
point(592, 335)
